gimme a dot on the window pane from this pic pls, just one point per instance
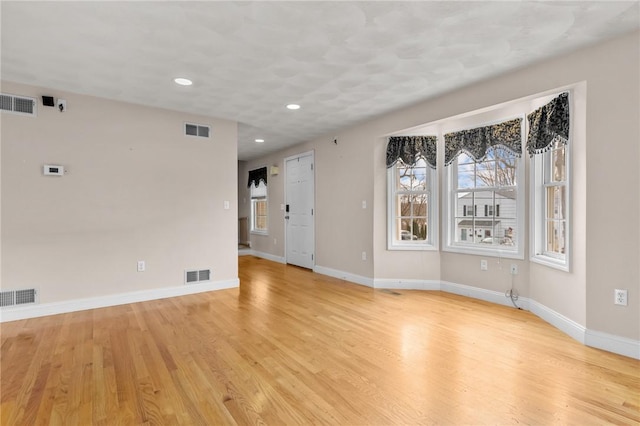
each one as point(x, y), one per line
point(419, 181)
point(403, 228)
point(486, 173)
point(466, 177)
point(506, 171)
point(483, 201)
point(419, 228)
point(403, 178)
point(464, 205)
point(506, 224)
point(404, 205)
point(558, 165)
point(483, 225)
point(556, 202)
point(419, 205)
point(506, 200)
point(556, 236)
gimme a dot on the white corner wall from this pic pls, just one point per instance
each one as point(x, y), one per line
point(135, 189)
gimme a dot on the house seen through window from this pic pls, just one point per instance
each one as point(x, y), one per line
point(486, 199)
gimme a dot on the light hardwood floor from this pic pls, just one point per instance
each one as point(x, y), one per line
point(293, 347)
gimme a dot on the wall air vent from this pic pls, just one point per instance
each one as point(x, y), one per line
point(18, 297)
point(18, 104)
point(197, 276)
point(199, 130)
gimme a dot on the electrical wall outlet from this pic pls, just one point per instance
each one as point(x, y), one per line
point(620, 297)
point(364, 255)
point(514, 269)
point(484, 266)
point(62, 105)
point(141, 266)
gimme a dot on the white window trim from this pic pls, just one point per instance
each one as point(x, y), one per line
point(450, 245)
point(431, 244)
point(537, 211)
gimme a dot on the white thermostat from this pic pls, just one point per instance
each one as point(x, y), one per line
point(52, 170)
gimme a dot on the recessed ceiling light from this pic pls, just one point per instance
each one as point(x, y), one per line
point(259, 140)
point(183, 81)
point(293, 106)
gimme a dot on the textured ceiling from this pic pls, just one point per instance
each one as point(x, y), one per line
point(344, 62)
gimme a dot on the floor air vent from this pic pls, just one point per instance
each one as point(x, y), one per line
point(196, 130)
point(18, 104)
point(18, 297)
point(197, 276)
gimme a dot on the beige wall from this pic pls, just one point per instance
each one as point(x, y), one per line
point(606, 229)
point(136, 189)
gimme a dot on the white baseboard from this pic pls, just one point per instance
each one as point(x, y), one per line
point(612, 343)
point(483, 294)
point(40, 310)
point(267, 256)
point(559, 321)
point(406, 284)
point(358, 279)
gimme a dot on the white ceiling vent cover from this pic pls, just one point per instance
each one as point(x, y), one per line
point(199, 130)
point(27, 296)
point(194, 276)
point(18, 104)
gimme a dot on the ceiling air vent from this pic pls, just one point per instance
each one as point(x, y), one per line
point(18, 104)
point(199, 130)
point(197, 276)
point(18, 297)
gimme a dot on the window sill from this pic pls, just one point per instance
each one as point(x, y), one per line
point(485, 251)
point(265, 233)
point(551, 262)
point(411, 247)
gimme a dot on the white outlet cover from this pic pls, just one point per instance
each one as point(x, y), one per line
point(620, 297)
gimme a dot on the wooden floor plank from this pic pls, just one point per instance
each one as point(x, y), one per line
point(293, 347)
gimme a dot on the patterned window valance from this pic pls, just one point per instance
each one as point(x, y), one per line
point(257, 175)
point(548, 124)
point(409, 148)
point(476, 142)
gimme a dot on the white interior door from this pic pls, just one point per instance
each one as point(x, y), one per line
point(299, 214)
